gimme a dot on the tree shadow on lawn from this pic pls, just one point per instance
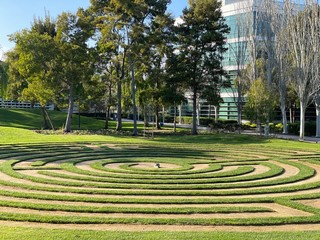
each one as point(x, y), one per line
point(32, 119)
point(20, 119)
point(227, 139)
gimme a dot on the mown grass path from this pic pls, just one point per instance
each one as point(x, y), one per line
point(197, 187)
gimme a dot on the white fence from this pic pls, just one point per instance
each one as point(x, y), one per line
point(22, 105)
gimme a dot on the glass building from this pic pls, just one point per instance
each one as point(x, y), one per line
point(238, 15)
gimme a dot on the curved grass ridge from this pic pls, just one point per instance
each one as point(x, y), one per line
point(56, 175)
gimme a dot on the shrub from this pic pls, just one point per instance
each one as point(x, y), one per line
point(276, 128)
point(310, 128)
point(227, 125)
point(279, 127)
point(248, 126)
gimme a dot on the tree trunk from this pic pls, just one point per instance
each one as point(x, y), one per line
point(318, 121)
point(194, 113)
point(198, 114)
point(180, 113)
point(174, 117)
point(267, 126)
point(106, 124)
point(133, 93)
point(163, 115)
point(157, 118)
point(145, 117)
point(239, 118)
point(48, 118)
point(302, 120)
point(45, 122)
point(284, 118)
point(216, 114)
point(317, 103)
point(108, 106)
point(259, 124)
point(119, 106)
point(269, 80)
point(239, 100)
point(283, 90)
point(67, 127)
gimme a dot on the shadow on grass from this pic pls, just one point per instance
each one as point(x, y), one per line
point(126, 153)
point(32, 119)
point(227, 138)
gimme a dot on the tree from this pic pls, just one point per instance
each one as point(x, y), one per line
point(174, 80)
point(239, 50)
point(280, 16)
point(265, 20)
point(123, 25)
point(213, 98)
point(158, 48)
point(74, 65)
point(102, 88)
point(260, 101)
point(111, 22)
point(292, 101)
point(200, 44)
point(3, 79)
point(303, 35)
point(32, 63)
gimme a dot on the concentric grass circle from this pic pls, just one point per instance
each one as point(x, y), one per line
point(103, 184)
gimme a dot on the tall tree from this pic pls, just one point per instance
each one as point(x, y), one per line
point(158, 47)
point(103, 87)
point(112, 42)
point(32, 62)
point(279, 19)
point(201, 41)
point(238, 46)
point(123, 24)
point(74, 58)
point(266, 33)
point(303, 35)
point(173, 92)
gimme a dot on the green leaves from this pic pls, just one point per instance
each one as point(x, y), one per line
point(200, 44)
point(261, 101)
point(3, 78)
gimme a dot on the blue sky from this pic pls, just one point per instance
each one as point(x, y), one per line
point(16, 15)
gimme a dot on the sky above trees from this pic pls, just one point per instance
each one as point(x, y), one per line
point(16, 14)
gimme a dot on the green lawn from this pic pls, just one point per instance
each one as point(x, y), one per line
point(19, 144)
point(32, 119)
point(17, 233)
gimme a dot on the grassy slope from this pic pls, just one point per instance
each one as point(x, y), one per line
point(14, 124)
point(13, 129)
point(32, 119)
point(9, 135)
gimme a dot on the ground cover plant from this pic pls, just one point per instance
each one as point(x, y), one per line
point(208, 186)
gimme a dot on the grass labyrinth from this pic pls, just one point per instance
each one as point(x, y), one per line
point(114, 185)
